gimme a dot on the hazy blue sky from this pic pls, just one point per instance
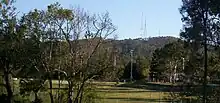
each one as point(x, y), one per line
point(161, 15)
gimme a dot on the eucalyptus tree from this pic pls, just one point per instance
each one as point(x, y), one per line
point(17, 51)
point(12, 40)
point(167, 61)
point(201, 29)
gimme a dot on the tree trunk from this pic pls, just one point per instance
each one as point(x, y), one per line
point(51, 89)
point(81, 96)
point(36, 98)
point(205, 32)
point(50, 73)
point(7, 84)
point(59, 89)
point(79, 91)
point(174, 74)
point(70, 92)
point(8, 87)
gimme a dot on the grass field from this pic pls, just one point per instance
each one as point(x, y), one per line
point(108, 92)
point(138, 92)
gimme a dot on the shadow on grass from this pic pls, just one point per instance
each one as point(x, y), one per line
point(113, 88)
point(118, 91)
point(153, 86)
point(138, 99)
point(151, 100)
point(110, 85)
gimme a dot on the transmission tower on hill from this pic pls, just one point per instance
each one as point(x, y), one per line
point(143, 33)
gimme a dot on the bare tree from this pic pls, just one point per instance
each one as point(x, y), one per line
point(76, 31)
point(84, 35)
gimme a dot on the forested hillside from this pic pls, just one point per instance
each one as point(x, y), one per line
point(142, 54)
point(141, 47)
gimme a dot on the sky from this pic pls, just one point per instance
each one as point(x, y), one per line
point(162, 16)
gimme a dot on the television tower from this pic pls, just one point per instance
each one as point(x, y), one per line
point(143, 26)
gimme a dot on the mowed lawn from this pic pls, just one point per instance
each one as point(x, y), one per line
point(109, 92)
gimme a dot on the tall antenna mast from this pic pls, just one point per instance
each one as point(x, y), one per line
point(145, 27)
point(142, 21)
point(141, 29)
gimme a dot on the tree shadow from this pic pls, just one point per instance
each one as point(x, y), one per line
point(118, 91)
point(113, 89)
point(138, 99)
point(153, 86)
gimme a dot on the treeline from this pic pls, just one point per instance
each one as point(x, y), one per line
point(180, 58)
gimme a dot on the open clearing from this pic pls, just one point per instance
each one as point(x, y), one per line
point(109, 92)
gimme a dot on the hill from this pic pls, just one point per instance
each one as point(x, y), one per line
point(141, 47)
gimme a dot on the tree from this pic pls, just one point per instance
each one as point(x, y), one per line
point(140, 69)
point(143, 64)
point(106, 57)
point(201, 23)
point(11, 35)
point(167, 61)
point(40, 28)
point(4, 3)
point(156, 67)
point(70, 43)
point(83, 34)
point(18, 53)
